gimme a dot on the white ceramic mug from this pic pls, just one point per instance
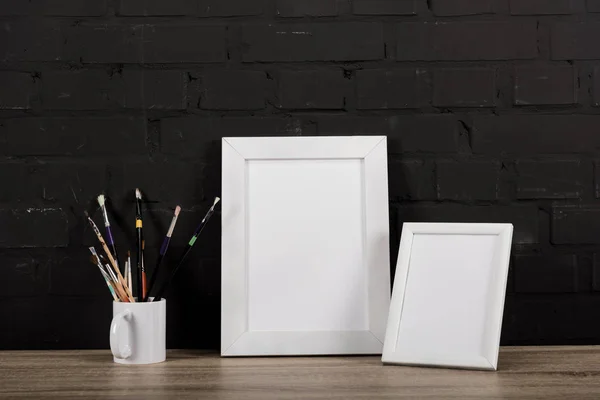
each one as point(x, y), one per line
point(138, 332)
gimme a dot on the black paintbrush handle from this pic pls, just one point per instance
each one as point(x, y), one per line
point(139, 262)
point(166, 283)
point(154, 276)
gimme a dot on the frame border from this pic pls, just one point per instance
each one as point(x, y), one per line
point(489, 359)
point(236, 340)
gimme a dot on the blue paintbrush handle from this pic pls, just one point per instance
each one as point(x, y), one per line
point(165, 245)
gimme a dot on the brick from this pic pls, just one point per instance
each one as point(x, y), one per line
point(310, 8)
point(81, 90)
point(384, 7)
point(157, 7)
point(26, 40)
point(103, 43)
point(575, 41)
point(13, 8)
point(406, 134)
point(70, 183)
point(184, 43)
point(593, 6)
point(94, 89)
point(312, 89)
point(20, 312)
point(544, 7)
point(545, 85)
point(19, 90)
point(464, 87)
point(230, 8)
point(552, 179)
point(33, 227)
point(73, 136)
point(313, 42)
point(596, 87)
point(535, 134)
point(12, 174)
point(412, 180)
point(596, 272)
point(201, 136)
point(524, 218)
point(145, 43)
point(467, 180)
point(597, 178)
point(94, 315)
point(156, 90)
point(445, 41)
point(389, 89)
point(559, 319)
point(453, 8)
point(575, 225)
point(177, 182)
point(233, 90)
point(76, 267)
point(546, 274)
point(53, 182)
point(61, 8)
point(75, 8)
point(23, 273)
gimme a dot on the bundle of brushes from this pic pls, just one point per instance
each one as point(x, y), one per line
point(121, 285)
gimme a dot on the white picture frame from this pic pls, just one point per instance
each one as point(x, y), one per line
point(305, 246)
point(448, 295)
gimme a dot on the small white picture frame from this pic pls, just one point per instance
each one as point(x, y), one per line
point(448, 295)
point(305, 246)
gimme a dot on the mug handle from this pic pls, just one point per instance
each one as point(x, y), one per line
point(121, 352)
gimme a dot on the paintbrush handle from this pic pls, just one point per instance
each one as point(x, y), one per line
point(107, 280)
point(110, 257)
point(111, 242)
point(139, 259)
point(166, 284)
point(155, 272)
point(164, 246)
point(116, 268)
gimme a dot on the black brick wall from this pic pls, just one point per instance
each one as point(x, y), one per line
point(491, 108)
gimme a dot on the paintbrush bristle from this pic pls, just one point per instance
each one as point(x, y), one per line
point(217, 199)
point(93, 260)
point(101, 200)
point(177, 210)
point(138, 194)
point(87, 214)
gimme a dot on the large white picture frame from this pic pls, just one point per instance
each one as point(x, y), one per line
point(448, 297)
point(305, 246)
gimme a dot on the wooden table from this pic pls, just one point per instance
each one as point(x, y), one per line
point(524, 373)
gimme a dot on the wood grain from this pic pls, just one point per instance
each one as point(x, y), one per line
point(524, 373)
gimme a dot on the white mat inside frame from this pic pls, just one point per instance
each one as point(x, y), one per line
point(448, 297)
point(305, 246)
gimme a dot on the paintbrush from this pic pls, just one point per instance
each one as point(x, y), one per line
point(109, 269)
point(163, 251)
point(108, 254)
point(109, 236)
point(129, 281)
point(126, 273)
point(106, 278)
point(140, 244)
point(144, 287)
point(100, 260)
point(188, 248)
